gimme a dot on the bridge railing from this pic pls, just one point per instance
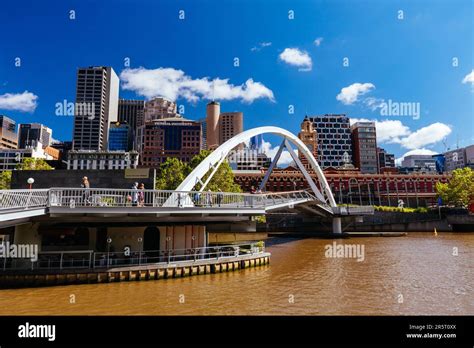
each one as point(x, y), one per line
point(23, 199)
point(88, 259)
point(79, 197)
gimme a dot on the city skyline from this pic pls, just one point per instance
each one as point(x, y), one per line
point(295, 63)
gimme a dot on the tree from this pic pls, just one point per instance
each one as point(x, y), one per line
point(172, 172)
point(5, 180)
point(459, 191)
point(33, 164)
point(222, 180)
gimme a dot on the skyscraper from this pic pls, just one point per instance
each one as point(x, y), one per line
point(364, 147)
point(96, 106)
point(131, 112)
point(8, 134)
point(213, 110)
point(120, 137)
point(32, 133)
point(230, 124)
point(334, 139)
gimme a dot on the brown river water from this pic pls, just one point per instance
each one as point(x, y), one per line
point(416, 274)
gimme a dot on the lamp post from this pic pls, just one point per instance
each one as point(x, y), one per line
point(109, 241)
point(30, 182)
point(140, 246)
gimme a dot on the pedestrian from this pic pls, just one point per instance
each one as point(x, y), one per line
point(141, 195)
point(86, 190)
point(135, 194)
point(219, 197)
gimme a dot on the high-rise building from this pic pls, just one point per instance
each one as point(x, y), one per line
point(364, 147)
point(213, 110)
point(385, 160)
point(120, 137)
point(30, 134)
point(8, 134)
point(309, 137)
point(96, 107)
point(230, 124)
point(334, 139)
point(131, 112)
point(170, 137)
point(204, 133)
point(159, 108)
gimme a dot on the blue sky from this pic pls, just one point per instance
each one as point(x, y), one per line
point(290, 53)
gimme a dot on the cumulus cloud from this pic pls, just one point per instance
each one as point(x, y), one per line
point(422, 151)
point(374, 103)
point(350, 94)
point(270, 151)
point(260, 46)
point(469, 78)
point(395, 132)
point(26, 101)
point(318, 41)
point(173, 84)
point(298, 58)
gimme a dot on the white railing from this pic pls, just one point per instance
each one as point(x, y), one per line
point(23, 199)
point(88, 259)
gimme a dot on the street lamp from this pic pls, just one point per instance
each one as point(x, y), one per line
point(30, 182)
point(109, 241)
point(140, 245)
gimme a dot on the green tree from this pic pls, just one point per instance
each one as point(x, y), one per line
point(33, 164)
point(459, 191)
point(5, 180)
point(222, 180)
point(172, 172)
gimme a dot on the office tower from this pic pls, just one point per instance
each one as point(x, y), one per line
point(8, 134)
point(256, 143)
point(32, 133)
point(213, 110)
point(334, 139)
point(96, 107)
point(230, 124)
point(364, 147)
point(131, 112)
point(418, 163)
point(204, 133)
point(120, 137)
point(159, 108)
point(172, 137)
point(309, 137)
point(386, 160)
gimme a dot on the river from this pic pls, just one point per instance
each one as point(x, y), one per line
point(416, 274)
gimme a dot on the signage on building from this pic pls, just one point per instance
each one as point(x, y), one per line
point(139, 173)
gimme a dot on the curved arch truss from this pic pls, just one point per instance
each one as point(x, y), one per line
point(211, 163)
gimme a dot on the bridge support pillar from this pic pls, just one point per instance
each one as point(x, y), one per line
point(337, 225)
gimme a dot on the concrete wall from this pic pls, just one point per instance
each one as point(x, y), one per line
point(73, 178)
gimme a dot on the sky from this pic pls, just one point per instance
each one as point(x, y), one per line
point(407, 65)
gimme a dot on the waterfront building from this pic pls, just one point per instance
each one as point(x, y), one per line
point(96, 107)
point(8, 134)
point(418, 163)
point(160, 108)
point(170, 137)
point(364, 147)
point(334, 139)
point(30, 134)
point(105, 160)
point(309, 137)
point(131, 112)
point(120, 137)
point(385, 160)
point(10, 158)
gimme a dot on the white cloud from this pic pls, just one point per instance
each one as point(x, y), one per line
point(422, 151)
point(425, 136)
point(270, 151)
point(174, 84)
point(25, 101)
point(469, 78)
point(374, 103)
point(395, 132)
point(318, 41)
point(350, 94)
point(296, 57)
point(260, 46)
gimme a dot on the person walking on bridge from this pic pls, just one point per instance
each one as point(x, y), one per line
point(86, 186)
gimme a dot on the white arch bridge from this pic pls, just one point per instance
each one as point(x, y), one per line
point(18, 206)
